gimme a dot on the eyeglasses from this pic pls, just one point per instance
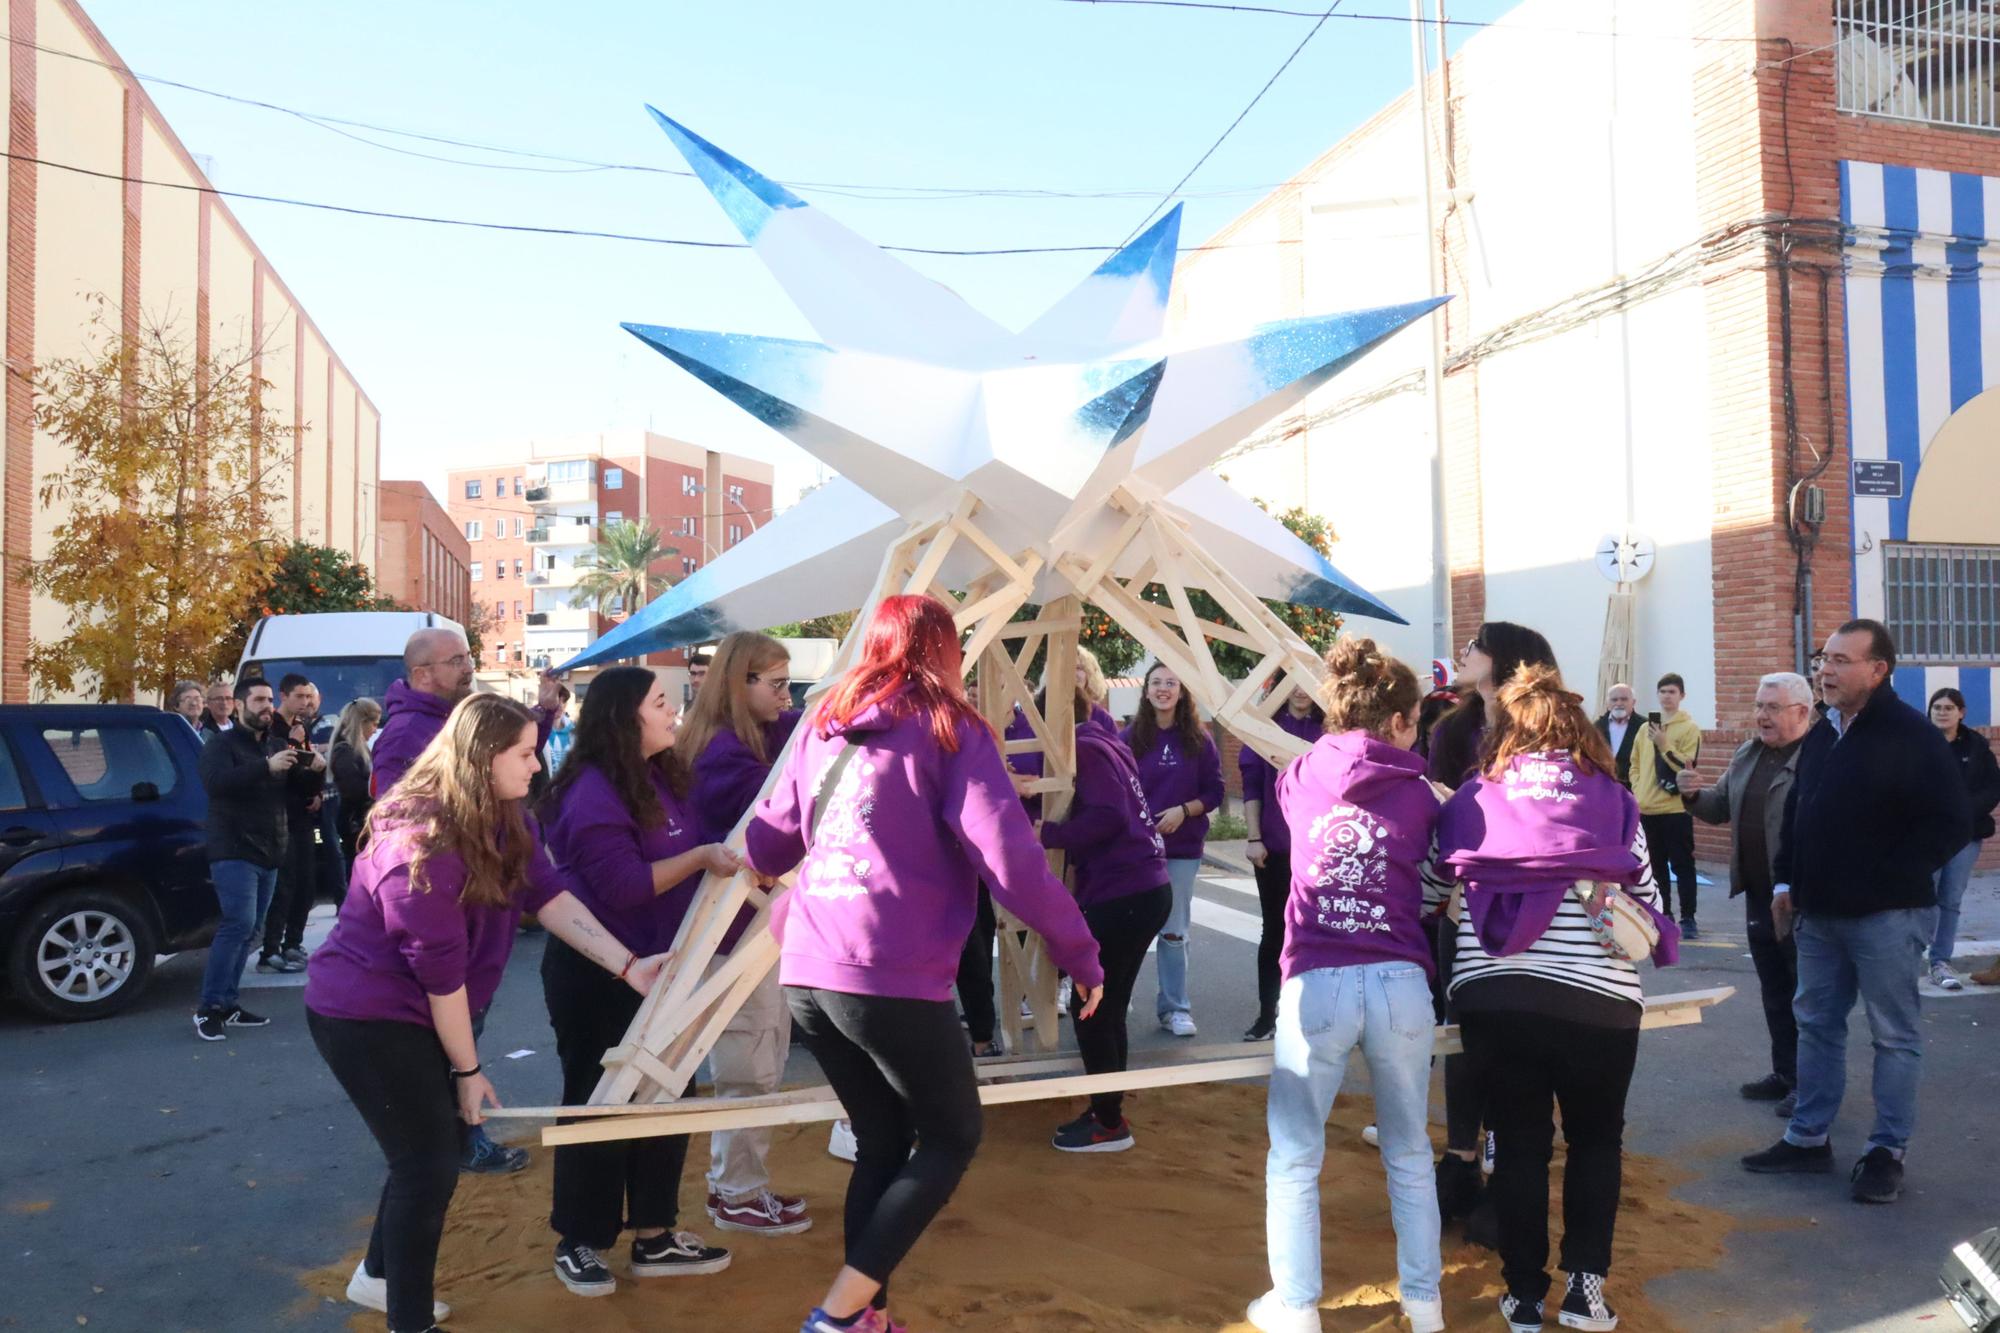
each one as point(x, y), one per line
point(1473, 646)
point(782, 684)
point(1762, 708)
point(456, 659)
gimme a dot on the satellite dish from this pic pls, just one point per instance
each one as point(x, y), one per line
point(1625, 557)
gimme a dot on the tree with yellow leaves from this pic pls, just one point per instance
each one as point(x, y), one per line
point(166, 531)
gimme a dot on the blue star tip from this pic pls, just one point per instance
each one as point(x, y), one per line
point(746, 194)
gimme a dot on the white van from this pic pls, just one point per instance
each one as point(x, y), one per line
point(349, 655)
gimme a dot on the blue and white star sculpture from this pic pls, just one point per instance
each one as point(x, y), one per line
point(916, 399)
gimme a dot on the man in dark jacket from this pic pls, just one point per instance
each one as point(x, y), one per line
point(245, 771)
point(1615, 725)
point(1876, 808)
point(285, 924)
point(1751, 795)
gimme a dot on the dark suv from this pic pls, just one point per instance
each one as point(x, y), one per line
point(103, 863)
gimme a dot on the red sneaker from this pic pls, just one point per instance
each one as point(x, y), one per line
point(763, 1213)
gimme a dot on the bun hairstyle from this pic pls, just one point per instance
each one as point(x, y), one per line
point(1368, 688)
point(1538, 713)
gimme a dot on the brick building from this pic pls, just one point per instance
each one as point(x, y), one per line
point(424, 560)
point(102, 197)
point(532, 528)
point(1717, 279)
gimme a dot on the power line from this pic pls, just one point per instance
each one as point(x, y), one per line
point(1505, 25)
point(1278, 73)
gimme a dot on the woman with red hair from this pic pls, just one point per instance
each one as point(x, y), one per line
point(894, 806)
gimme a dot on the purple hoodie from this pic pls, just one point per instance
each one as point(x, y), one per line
point(1522, 842)
point(727, 776)
point(1260, 780)
point(609, 858)
point(392, 947)
point(411, 720)
point(1171, 778)
point(1361, 818)
point(889, 885)
point(1030, 765)
point(1109, 834)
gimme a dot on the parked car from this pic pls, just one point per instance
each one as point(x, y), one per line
point(349, 654)
point(103, 864)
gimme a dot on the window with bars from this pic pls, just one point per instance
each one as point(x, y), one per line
point(1942, 603)
point(1923, 60)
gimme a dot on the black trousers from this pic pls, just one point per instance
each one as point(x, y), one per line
point(1529, 1065)
point(329, 857)
point(1124, 929)
point(298, 870)
point(1670, 841)
point(1274, 885)
point(602, 1188)
point(1464, 1099)
point(1777, 964)
point(975, 973)
point(902, 1071)
point(399, 1079)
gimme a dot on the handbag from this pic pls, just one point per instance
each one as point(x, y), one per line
point(1624, 927)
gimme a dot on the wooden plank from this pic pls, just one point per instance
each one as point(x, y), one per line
point(1021, 628)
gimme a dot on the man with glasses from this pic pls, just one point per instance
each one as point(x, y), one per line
point(1876, 807)
point(1751, 795)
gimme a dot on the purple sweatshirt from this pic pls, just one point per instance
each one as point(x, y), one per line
point(727, 776)
point(1109, 834)
point(1171, 778)
point(1361, 818)
point(1030, 765)
point(391, 947)
point(411, 720)
point(889, 885)
point(609, 857)
point(1260, 780)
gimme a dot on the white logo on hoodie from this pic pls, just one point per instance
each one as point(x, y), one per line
point(1351, 863)
point(832, 870)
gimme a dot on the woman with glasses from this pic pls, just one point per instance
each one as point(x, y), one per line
point(739, 723)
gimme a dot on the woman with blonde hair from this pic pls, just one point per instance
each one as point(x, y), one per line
point(739, 723)
point(353, 769)
point(449, 861)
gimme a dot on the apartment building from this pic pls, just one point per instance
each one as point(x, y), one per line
point(424, 559)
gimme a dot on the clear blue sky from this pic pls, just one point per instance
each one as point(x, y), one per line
point(467, 339)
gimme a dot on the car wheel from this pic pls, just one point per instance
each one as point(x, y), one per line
point(81, 955)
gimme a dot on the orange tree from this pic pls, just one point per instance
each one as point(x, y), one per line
point(307, 579)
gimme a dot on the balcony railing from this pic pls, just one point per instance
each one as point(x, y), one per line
point(563, 534)
point(1932, 61)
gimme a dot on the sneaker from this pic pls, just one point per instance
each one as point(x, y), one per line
point(1784, 1156)
point(1783, 1110)
point(1944, 978)
point(579, 1269)
point(295, 955)
point(1487, 1152)
point(988, 1050)
point(1425, 1316)
point(792, 1205)
point(1064, 990)
point(1769, 1088)
point(839, 1144)
point(1272, 1315)
point(270, 964)
point(1584, 1307)
point(868, 1321)
point(1522, 1315)
point(1181, 1024)
point(1689, 931)
point(488, 1158)
point(676, 1254)
point(1877, 1177)
point(1027, 1010)
point(209, 1024)
point(1263, 1029)
point(372, 1293)
point(1371, 1136)
point(763, 1214)
point(1459, 1187)
point(239, 1017)
point(1086, 1134)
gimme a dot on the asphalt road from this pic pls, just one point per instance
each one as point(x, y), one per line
point(149, 1181)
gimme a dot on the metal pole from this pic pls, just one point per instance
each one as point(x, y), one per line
point(1434, 375)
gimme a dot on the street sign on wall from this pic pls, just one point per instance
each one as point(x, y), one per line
point(1878, 477)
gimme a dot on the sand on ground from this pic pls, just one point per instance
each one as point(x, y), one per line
point(1166, 1237)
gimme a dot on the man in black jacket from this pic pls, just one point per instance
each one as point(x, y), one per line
point(245, 771)
point(305, 786)
point(1615, 725)
point(1876, 808)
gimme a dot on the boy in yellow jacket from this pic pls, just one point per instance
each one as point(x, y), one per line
point(1659, 752)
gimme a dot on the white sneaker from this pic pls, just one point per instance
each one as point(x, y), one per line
point(1944, 978)
point(1371, 1136)
point(841, 1144)
point(1180, 1024)
point(1272, 1315)
point(1425, 1316)
point(372, 1293)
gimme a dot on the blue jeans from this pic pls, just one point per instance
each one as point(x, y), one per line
point(1875, 958)
point(1171, 961)
point(1951, 881)
point(244, 889)
point(1385, 1009)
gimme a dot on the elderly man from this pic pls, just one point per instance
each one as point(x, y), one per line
point(1751, 795)
point(1876, 807)
point(1615, 725)
point(437, 673)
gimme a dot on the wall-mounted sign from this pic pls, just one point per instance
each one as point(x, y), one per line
point(1878, 477)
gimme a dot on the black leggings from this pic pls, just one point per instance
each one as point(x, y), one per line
point(975, 973)
point(398, 1077)
point(1670, 842)
point(602, 1188)
point(1528, 1065)
point(1124, 929)
point(1274, 885)
point(902, 1071)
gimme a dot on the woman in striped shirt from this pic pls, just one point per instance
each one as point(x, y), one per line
point(1546, 1011)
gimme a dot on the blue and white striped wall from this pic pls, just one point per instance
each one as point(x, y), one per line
point(1923, 339)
